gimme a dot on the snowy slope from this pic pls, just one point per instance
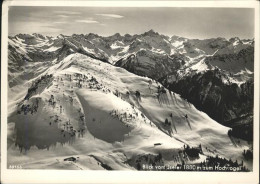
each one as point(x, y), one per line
point(98, 119)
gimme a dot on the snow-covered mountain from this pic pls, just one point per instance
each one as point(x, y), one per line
point(117, 47)
point(93, 102)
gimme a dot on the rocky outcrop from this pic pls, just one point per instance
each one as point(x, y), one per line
point(228, 104)
point(234, 62)
point(155, 66)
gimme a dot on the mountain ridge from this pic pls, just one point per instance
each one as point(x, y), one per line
point(170, 60)
point(124, 101)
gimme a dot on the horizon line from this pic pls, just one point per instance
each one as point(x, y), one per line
point(106, 36)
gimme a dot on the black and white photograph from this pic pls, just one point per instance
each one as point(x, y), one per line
point(125, 88)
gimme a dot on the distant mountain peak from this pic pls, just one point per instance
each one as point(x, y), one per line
point(151, 32)
point(39, 35)
point(23, 36)
point(175, 37)
point(91, 36)
point(221, 38)
point(115, 36)
point(233, 39)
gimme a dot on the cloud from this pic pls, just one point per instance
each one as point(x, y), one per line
point(68, 12)
point(35, 27)
point(59, 22)
point(111, 15)
point(63, 16)
point(88, 21)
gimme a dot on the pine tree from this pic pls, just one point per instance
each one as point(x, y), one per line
point(138, 166)
point(166, 121)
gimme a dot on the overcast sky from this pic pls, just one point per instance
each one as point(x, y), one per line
point(187, 22)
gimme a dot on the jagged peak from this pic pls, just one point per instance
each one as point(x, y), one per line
point(23, 36)
point(175, 37)
point(117, 35)
point(221, 38)
point(77, 35)
point(38, 35)
point(234, 39)
point(127, 35)
point(151, 32)
point(91, 36)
